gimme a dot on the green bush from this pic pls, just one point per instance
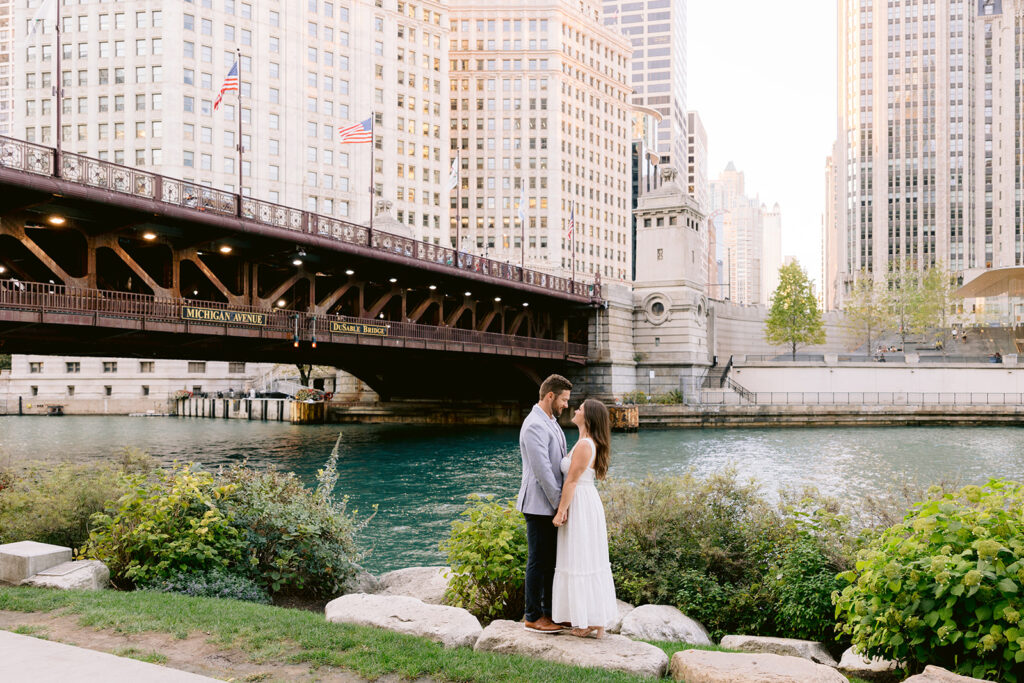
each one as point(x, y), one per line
point(722, 608)
point(487, 555)
point(214, 583)
point(298, 541)
point(674, 397)
point(634, 397)
point(803, 585)
point(53, 504)
point(167, 522)
point(944, 586)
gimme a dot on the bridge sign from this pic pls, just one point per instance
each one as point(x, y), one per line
point(217, 315)
point(359, 328)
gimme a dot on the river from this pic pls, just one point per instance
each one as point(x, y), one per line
point(420, 476)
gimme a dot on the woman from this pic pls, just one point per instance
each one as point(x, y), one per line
point(583, 591)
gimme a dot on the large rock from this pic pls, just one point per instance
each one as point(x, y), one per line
point(788, 647)
point(663, 622)
point(702, 666)
point(876, 669)
point(363, 582)
point(79, 575)
point(423, 583)
point(934, 674)
point(611, 652)
point(23, 559)
point(624, 609)
point(450, 626)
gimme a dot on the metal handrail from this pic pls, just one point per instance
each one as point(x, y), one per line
point(36, 159)
point(859, 398)
point(35, 296)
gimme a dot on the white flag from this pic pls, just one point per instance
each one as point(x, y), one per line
point(453, 177)
point(523, 203)
point(46, 11)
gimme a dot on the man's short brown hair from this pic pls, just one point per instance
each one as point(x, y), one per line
point(555, 383)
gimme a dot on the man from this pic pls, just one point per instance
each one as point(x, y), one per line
point(542, 444)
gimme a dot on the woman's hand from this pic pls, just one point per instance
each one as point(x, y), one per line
point(560, 517)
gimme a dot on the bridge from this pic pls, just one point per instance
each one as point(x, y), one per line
point(106, 260)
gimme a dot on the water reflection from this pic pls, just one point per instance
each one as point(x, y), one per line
point(420, 476)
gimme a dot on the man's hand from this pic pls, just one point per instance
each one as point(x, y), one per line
point(560, 518)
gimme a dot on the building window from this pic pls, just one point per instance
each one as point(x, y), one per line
point(109, 366)
point(35, 368)
point(195, 367)
point(74, 366)
point(71, 390)
point(197, 389)
point(661, 254)
point(34, 390)
point(108, 390)
point(236, 368)
point(145, 390)
point(146, 366)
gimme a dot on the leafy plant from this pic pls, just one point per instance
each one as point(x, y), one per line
point(634, 397)
point(167, 521)
point(308, 395)
point(487, 555)
point(803, 585)
point(943, 587)
point(213, 583)
point(674, 397)
point(297, 540)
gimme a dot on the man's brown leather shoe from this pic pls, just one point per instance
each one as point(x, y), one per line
point(543, 625)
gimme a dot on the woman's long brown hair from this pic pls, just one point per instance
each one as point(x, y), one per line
point(598, 424)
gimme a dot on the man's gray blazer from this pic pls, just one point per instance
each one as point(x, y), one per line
point(542, 444)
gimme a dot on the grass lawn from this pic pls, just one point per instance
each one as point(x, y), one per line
point(269, 634)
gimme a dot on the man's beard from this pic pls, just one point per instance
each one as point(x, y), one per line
point(556, 411)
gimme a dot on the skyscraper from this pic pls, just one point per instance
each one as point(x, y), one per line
point(657, 31)
point(771, 250)
point(140, 80)
point(539, 109)
point(930, 137)
point(697, 180)
point(743, 230)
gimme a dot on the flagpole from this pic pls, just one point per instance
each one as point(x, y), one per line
point(369, 239)
point(241, 148)
point(572, 247)
point(59, 90)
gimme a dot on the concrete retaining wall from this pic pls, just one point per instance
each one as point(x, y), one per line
point(827, 416)
point(880, 377)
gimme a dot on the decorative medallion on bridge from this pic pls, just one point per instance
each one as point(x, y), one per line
point(359, 328)
point(294, 219)
point(217, 315)
point(40, 162)
point(96, 175)
point(71, 169)
point(122, 180)
point(143, 186)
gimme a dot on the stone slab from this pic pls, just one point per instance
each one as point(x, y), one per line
point(663, 622)
point(881, 670)
point(23, 559)
point(450, 626)
point(703, 666)
point(44, 661)
point(934, 674)
point(613, 652)
point(77, 575)
point(624, 608)
point(789, 647)
point(424, 583)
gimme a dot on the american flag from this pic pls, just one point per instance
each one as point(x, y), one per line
point(572, 219)
point(230, 83)
point(357, 132)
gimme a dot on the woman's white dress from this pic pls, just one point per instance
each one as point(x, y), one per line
point(583, 591)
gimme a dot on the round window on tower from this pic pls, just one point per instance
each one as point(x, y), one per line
point(658, 308)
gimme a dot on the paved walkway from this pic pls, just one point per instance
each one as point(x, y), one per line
point(24, 659)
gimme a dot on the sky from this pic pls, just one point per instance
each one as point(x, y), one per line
point(762, 76)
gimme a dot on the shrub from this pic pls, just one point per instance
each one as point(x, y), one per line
point(487, 555)
point(214, 583)
point(722, 608)
point(943, 587)
point(298, 541)
point(308, 395)
point(633, 397)
point(803, 585)
point(166, 522)
point(53, 504)
point(674, 397)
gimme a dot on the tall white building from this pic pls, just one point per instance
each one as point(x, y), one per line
point(657, 31)
point(930, 136)
point(697, 180)
point(7, 80)
point(140, 79)
point(539, 109)
point(771, 251)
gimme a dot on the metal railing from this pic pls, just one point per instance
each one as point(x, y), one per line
point(739, 389)
point(37, 159)
point(892, 398)
point(888, 357)
point(34, 296)
point(785, 357)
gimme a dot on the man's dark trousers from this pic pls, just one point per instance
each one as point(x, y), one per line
point(542, 544)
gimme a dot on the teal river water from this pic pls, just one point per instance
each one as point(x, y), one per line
point(420, 476)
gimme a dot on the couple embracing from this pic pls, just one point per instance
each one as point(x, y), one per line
point(568, 576)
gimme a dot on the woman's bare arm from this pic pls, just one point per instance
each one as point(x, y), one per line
point(580, 460)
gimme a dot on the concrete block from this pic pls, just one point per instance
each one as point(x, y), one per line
point(23, 559)
point(78, 575)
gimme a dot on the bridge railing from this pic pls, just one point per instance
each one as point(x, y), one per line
point(40, 160)
point(35, 296)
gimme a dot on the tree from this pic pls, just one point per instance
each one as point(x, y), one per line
point(903, 295)
point(794, 318)
point(936, 301)
point(867, 311)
